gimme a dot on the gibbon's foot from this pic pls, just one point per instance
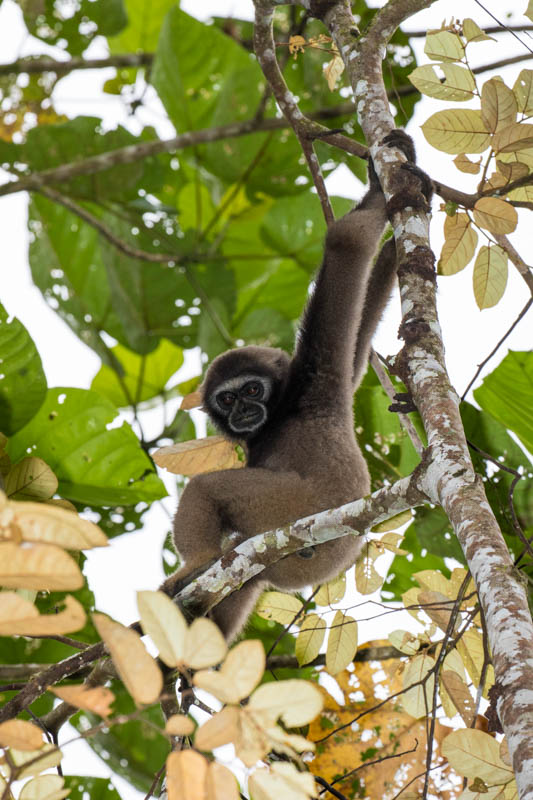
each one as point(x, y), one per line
point(426, 186)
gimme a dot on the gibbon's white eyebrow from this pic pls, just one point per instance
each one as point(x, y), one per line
point(234, 384)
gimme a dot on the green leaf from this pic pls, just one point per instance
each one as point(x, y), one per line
point(489, 435)
point(507, 395)
point(50, 146)
point(84, 788)
point(141, 377)
point(144, 23)
point(388, 450)
point(94, 463)
point(206, 79)
point(73, 26)
point(22, 378)
point(135, 750)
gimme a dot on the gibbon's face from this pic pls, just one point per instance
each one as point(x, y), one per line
point(240, 404)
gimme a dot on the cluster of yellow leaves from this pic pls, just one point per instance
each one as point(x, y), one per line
point(460, 674)
point(33, 539)
point(253, 729)
point(498, 125)
point(343, 743)
point(28, 757)
point(343, 634)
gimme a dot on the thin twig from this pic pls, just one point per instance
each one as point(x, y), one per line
point(387, 384)
point(496, 348)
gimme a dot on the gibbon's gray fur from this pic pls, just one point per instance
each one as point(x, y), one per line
point(294, 418)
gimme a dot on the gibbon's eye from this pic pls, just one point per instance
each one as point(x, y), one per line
point(225, 399)
point(253, 389)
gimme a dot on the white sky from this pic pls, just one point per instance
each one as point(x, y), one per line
point(469, 334)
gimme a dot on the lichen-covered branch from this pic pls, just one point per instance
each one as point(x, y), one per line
point(253, 555)
point(449, 478)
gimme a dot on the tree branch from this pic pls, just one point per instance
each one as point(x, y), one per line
point(449, 479)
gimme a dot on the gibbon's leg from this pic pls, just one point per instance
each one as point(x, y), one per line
point(231, 614)
point(378, 291)
point(248, 501)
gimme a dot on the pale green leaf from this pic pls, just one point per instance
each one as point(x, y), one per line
point(309, 640)
point(490, 276)
point(342, 643)
point(444, 46)
point(457, 131)
point(475, 754)
point(458, 83)
point(278, 607)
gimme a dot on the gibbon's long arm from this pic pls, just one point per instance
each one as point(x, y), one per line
point(328, 333)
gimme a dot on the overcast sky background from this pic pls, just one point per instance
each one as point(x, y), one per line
point(469, 334)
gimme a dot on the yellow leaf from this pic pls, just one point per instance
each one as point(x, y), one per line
point(309, 640)
point(470, 648)
point(48, 524)
point(458, 83)
point(461, 697)
point(529, 10)
point(29, 479)
point(390, 541)
point(164, 623)
point(19, 617)
point(333, 70)
point(523, 91)
point(331, 592)
point(238, 676)
point(434, 581)
point(497, 216)
point(37, 760)
point(464, 164)
point(498, 105)
point(282, 781)
point(458, 130)
point(418, 700)
point(473, 33)
point(204, 644)
point(444, 45)
point(437, 606)
point(514, 137)
point(296, 44)
point(475, 754)
point(295, 702)
point(186, 775)
point(191, 400)
point(459, 244)
point(21, 735)
point(342, 643)
point(490, 276)
point(198, 456)
point(221, 784)
point(279, 607)
point(367, 579)
point(38, 566)
point(394, 522)
point(513, 171)
point(137, 669)
point(222, 728)
point(405, 641)
point(97, 699)
point(44, 787)
point(179, 725)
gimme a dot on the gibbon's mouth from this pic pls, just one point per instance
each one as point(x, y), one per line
point(248, 421)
